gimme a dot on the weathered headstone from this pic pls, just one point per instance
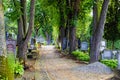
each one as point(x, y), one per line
point(107, 54)
point(115, 53)
point(103, 45)
point(11, 46)
point(32, 43)
point(118, 60)
point(64, 45)
point(84, 46)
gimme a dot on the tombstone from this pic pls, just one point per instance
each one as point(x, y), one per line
point(115, 53)
point(11, 46)
point(103, 45)
point(118, 60)
point(32, 43)
point(107, 54)
point(64, 45)
point(84, 46)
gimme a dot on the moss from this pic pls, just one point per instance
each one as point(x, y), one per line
point(5, 72)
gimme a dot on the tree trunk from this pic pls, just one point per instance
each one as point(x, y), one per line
point(48, 38)
point(95, 15)
point(23, 37)
point(24, 17)
point(4, 67)
point(113, 44)
point(72, 16)
point(98, 33)
point(72, 39)
point(62, 25)
point(62, 36)
point(3, 51)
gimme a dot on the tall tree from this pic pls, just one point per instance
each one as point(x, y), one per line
point(62, 24)
point(72, 16)
point(3, 52)
point(24, 33)
point(2, 32)
point(98, 32)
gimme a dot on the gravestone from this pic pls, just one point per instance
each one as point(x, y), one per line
point(107, 54)
point(103, 45)
point(84, 46)
point(115, 53)
point(64, 45)
point(118, 60)
point(32, 43)
point(11, 46)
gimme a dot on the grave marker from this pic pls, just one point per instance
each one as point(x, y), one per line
point(118, 60)
point(107, 54)
point(103, 45)
point(115, 53)
point(11, 45)
point(64, 45)
point(84, 46)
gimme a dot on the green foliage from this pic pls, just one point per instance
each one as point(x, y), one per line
point(85, 19)
point(111, 63)
point(3, 68)
point(10, 67)
point(19, 69)
point(6, 72)
point(81, 55)
point(11, 61)
point(75, 53)
point(112, 26)
point(14, 65)
point(3, 77)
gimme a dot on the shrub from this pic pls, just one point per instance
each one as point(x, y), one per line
point(11, 65)
point(3, 77)
point(112, 63)
point(3, 68)
point(14, 65)
point(75, 53)
point(19, 69)
point(81, 55)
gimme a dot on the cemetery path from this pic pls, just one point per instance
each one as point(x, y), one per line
point(55, 67)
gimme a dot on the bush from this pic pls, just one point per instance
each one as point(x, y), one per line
point(112, 63)
point(19, 69)
point(81, 55)
point(14, 65)
point(11, 65)
point(3, 77)
point(75, 53)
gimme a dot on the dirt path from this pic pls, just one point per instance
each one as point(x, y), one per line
point(57, 68)
point(50, 66)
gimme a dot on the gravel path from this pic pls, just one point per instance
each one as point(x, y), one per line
point(50, 66)
point(66, 69)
